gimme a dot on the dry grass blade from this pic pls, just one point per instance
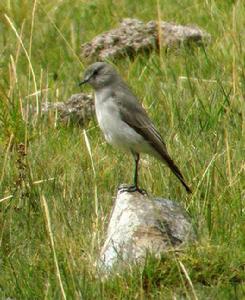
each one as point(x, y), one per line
point(6, 157)
point(28, 58)
point(50, 233)
point(93, 168)
point(188, 280)
point(6, 198)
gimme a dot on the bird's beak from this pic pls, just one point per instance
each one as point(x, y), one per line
point(83, 82)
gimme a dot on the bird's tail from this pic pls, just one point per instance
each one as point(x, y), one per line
point(176, 171)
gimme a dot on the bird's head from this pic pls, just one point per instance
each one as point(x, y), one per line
point(99, 75)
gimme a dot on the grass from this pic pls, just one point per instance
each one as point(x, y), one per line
point(57, 183)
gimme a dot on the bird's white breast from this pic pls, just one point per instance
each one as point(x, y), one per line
point(116, 131)
point(107, 114)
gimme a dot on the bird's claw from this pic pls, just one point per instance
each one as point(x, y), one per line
point(131, 189)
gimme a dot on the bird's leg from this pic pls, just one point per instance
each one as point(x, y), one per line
point(136, 160)
point(134, 187)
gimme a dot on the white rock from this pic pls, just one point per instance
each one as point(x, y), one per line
point(139, 225)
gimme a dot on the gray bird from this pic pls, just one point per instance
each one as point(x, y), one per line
point(124, 121)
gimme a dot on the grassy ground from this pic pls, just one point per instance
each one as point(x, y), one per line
point(55, 206)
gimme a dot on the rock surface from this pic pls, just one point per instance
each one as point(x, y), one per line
point(133, 36)
point(139, 224)
point(78, 109)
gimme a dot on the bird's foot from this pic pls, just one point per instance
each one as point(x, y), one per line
point(131, 189)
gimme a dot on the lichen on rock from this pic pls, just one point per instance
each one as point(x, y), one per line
point(134, 36)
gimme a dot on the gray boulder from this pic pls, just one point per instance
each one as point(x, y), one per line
point(134, 36)
point(78, 109)
point(140, 224)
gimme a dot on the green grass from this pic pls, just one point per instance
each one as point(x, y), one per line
point(201, 121)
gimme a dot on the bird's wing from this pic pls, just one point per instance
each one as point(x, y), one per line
point(136, 117)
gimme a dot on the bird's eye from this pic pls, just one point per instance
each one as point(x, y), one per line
point(95, 72)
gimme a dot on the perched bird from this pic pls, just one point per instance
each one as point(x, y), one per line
point(124, 121)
